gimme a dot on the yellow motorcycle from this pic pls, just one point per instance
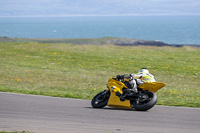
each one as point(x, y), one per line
point(143, 100)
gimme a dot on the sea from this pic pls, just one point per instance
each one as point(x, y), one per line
point(168, 29)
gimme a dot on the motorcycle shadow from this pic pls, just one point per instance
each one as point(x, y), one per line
point(110, 108)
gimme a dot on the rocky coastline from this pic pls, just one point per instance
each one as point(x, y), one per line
point(99, 41)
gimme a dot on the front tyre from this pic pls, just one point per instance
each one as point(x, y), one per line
point(146, 101)
point(100, 100)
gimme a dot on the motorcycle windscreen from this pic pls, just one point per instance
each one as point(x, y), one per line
point(154, 86)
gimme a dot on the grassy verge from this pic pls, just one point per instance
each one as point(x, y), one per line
point(81, 71)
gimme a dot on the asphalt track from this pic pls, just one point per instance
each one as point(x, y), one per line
point(41, 114)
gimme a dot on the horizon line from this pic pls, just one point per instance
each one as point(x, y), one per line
point(96, 15)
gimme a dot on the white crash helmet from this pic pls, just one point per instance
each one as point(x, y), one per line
point(143, 70)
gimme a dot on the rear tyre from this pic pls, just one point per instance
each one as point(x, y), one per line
point(147, 103)
point(100, 100)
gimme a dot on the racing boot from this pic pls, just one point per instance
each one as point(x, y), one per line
point(122, 96)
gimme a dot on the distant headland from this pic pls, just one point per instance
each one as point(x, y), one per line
point(98, 41)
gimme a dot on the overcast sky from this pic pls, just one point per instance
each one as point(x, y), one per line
point(98, 7)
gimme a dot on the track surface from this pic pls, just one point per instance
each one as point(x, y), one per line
point(40, 114)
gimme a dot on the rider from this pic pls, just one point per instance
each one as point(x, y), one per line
point(144, 75)
point(137, 79)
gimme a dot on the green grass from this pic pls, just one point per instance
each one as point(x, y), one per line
point(81, 71)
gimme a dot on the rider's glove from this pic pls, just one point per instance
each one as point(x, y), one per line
point(118, 77)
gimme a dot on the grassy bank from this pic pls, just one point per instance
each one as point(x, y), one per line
point(81, 71)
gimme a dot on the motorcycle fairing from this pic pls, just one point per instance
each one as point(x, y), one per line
point(114, 100)
point(154, 86)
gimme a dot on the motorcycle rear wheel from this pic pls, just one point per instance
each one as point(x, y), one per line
point(147, 104)
point(100, 100)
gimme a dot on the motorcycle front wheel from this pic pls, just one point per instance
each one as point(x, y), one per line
point(146, 102)
point(100, 100)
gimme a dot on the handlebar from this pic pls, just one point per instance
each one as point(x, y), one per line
point(125, 76)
